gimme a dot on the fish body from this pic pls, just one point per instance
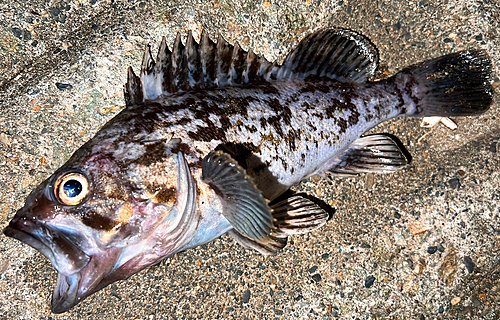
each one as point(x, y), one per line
point(212, 139)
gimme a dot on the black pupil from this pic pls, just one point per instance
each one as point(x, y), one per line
point(72, 188)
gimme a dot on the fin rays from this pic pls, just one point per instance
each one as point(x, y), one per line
point(337, 54)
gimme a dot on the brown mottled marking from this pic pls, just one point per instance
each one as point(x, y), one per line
point(275, 121)
point(252, 129)
point(275, 105)
point(239, 151)
point(312, 126)
point(342, 123)
point(166, 195)
point(263, 123)
point(97, 221)
point(354, 117)
point(208, 133)
point(334, 109)
point(291, 138)
point(183, 121)
point(154, 153)
point(269, 89)
point(307, 88)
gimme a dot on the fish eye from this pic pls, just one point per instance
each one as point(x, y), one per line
point(70, 189)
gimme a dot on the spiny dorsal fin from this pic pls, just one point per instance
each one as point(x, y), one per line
point(337, 54)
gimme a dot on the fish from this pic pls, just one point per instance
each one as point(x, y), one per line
point(211, 140)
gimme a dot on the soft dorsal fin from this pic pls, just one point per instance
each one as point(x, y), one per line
point(337, 54)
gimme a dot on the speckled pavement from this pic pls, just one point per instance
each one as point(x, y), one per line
point(423, 243)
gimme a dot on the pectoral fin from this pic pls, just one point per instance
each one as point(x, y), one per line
point(378, 153)
point(243, 204)
point(269, 247)
point(294, 215)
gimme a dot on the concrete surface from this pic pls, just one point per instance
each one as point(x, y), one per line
point(423, 243)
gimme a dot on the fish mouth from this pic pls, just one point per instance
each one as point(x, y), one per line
point(65, 256)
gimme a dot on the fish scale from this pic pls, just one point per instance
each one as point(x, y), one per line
point(280, 139)
point(211, 140)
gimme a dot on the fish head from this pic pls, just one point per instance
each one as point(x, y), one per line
point(99, 220)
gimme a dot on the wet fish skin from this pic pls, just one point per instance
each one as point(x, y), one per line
point(162, 173)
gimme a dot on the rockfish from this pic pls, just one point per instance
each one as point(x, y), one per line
point(212, 138)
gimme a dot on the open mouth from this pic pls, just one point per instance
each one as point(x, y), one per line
point(62, 253)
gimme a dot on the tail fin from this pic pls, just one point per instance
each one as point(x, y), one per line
point(453, 85)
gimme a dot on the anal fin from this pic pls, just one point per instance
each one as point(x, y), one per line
point(377, 153)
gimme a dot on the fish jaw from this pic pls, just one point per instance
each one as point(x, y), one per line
point(84, 266)
point(70, 289)
point(78, 272)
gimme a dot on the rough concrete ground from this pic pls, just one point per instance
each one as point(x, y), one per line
point(423, 243)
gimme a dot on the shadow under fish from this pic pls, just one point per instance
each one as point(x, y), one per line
point(211, 140)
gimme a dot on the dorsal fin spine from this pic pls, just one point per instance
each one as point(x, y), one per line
point(147, 75)
point(237, 61)
point(133, 91)
point(207, 57)
point(177, 76)
point(337, 54)
point(193, 61)
point(164, 64)
point(222, 59)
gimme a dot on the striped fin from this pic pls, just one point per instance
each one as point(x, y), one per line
point(376, 153)
point(294, 215)
point(243, 204)
point(337, 54)
point(271, 246)
point(297, 215)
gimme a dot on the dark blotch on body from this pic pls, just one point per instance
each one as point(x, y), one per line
point(239, 151)
point(354, 117)
point(154, 153)
point(166, 196)
point(208, 133)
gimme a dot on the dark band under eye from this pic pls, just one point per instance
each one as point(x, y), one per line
point(72, 188)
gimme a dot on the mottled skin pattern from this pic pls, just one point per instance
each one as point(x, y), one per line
point(281, 132)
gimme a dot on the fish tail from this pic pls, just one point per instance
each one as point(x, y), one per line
point(453, 85)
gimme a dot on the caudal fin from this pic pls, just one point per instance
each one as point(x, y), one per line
point(453, 85)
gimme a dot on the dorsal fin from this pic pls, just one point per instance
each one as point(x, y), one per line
point(337, 54)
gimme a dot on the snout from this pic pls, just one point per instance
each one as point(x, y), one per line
point(62, 253)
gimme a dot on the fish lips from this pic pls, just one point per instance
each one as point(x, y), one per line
point(62, 253)
point(78, 273)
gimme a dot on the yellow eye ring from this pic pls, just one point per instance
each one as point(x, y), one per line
point(71, 188)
